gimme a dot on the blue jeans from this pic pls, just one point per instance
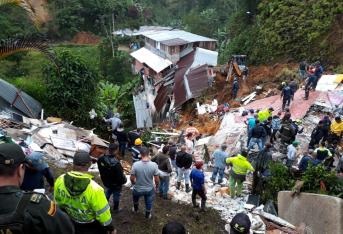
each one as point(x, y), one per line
point(220, 171)
point(116, 196)
point(173, 163)
point(164, 186)
point(148, 198)
point(183, 173)
point(122, 148)
point(254, 141)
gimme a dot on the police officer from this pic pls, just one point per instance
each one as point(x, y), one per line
point(83, 199)
point(25, 212)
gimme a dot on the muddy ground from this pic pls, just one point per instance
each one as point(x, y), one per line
point(126, 222)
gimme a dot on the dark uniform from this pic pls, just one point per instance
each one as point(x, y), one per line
point(26, 212)
point(35, 211)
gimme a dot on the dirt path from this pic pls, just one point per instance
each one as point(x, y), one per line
point(163, 212)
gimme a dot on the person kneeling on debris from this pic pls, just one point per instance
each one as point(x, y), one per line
point(112, 175)
point(198, 184)
point(240, 224)
point(322, 152)
point(219, 157)
point(306, 160)
point(238, 172)
point(83, 199)
point(265, 114)
point(183, 162)
point(257, 135)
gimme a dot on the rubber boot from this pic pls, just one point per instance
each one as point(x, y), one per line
point(188, 189)
point(178, 185)
point(203, 205)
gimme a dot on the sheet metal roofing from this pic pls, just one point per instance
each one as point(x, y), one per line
point(154, 61)
point(203, 56)
point(175, 34)
point(20, 100)
point(140, 31)
point(174, 42)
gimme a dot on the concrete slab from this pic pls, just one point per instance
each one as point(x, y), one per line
point(321, 213)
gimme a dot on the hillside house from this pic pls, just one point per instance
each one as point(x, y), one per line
point(175, 66)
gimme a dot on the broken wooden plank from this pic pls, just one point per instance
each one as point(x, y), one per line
point(250, 99)
point(166, 133)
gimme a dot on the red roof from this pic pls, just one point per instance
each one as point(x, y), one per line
point(179, 86)
point(162, 97)
point(198, 80)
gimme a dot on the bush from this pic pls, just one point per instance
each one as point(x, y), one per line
point(280, 180)
point(319, 180)
point(71, 88)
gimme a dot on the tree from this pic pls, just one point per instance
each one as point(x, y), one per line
point(72, 90)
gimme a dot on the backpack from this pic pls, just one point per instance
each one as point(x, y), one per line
point(13, 223)
point(109, 172)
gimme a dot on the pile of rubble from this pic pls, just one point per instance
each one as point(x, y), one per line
point(59, 140)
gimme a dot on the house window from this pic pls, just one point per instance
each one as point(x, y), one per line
point(164, 48)
point(172, 50)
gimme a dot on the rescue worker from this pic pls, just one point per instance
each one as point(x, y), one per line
point(336, 129)
point(287, 132)
point(296, 125)
point(240, 167)
point(294, 86)
point(235, 88)
point(286, 96)
point(115, 122)
point(319, 70)
point(322, 152)
point(265, 114)
point(135, 150)
point(317, 135)
point(257, 135)
point(83, 199)
point(112, 175)
point(25, 212)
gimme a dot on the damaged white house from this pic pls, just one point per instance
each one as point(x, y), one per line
point(175, 66)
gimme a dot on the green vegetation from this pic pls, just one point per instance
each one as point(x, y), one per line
point(71, 89)
point(316, 180)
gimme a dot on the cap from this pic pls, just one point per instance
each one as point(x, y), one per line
point(295, 143)
point(36, 160)
point(240, 224)
point(11, 154)
point(199, 164)
point(82, 158)
point(298, 121)
point(138, 141)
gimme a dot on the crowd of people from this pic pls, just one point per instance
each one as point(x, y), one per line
point(80, 205)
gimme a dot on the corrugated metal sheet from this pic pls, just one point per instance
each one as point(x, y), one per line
point(152, 60)
point(329, 83)
point(20, 100)
point(203, 56)
point(198, 80)
point(174, 42)
point(175, 34)
point(162, 97)
point(142, 29)
point(179, 90)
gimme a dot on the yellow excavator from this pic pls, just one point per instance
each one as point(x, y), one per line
point(236, 67)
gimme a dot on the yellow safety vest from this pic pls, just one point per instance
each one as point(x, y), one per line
point(89, 206)
point(263, 115)
point(240, 165)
